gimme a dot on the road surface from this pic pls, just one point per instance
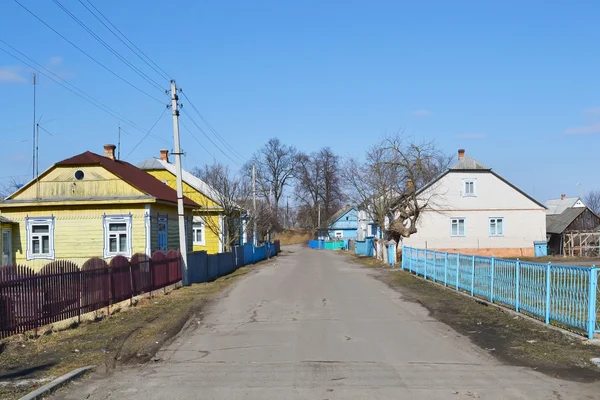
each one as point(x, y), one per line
point(314, 325)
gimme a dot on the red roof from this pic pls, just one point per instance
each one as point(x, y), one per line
point(130, 174)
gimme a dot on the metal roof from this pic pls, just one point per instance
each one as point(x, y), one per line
point(557, 206)
point(557, 223)
point(468, 163)
point(187, 177)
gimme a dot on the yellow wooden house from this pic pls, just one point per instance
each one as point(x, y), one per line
point(208, 220)
point(90, 205)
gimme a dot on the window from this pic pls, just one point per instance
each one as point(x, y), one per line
point(163, 223)
point(496, 226)
point(198, 228)
point(469, 188)
point(117, 236)
point(40, 238)
point(458, 226)
point(339, 234)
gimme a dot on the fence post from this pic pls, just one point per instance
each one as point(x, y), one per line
point(592, 301)
point(410, 261)
point(492, 280)
point(457, 269)
point(446, 269)
point(130, 285)
point(425, 266)
point(434, 265)
point(548, 283)
point(517, 278)
point(473, 275)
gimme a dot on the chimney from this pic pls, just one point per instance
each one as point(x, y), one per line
point(109, 151)
point(164, 155)
point(563, 196)
point(461, 153)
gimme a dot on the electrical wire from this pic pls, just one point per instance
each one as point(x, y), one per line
point(209, 139)
point(231, 149)
point(200, 143)
point(88, 55)
point(72, 88)
point(136, 50)
point(147, 133)
point(109, 47)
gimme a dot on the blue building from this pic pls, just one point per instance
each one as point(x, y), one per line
point(342, 225)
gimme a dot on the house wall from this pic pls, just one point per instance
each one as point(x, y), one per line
point(60, 183)
point(587, 220)
point(79, 231)
point(164, 210)
point(212, 236)
point(349, 220)
point(348, 233)
point(524, 220)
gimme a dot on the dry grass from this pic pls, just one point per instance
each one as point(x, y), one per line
point(131, 336)
point(293, 236)
point(514, 339)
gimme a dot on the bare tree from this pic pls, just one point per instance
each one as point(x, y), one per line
point(318, 184)
point(386, 185)
point(275, 164)
point(592, 201)
point(225, 194)
point(9, 188)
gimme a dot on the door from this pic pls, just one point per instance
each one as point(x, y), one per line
point(7, 247)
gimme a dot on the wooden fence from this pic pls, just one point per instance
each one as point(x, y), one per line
point(61, 290)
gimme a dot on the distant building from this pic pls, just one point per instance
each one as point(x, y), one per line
point(569, 224)
point(342, 225)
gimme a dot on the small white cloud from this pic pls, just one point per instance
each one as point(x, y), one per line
point(422, 113)
point(54, 61)
point(583, 130)
point(472, 136)
point(593, 112)
point(11, 75)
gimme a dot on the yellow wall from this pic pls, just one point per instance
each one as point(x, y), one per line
point(79, 231)
point(61, 183)
point(172, 226)
point(212, 238)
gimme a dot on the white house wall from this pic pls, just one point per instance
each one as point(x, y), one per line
point(524, 220)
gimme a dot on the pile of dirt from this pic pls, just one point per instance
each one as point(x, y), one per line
point(293, 236)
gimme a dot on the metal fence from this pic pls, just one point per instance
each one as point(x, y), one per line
point(61, 290)
point(557, 294)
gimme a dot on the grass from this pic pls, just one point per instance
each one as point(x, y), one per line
point(293, 236)
point(131, 336)
point(515, 339)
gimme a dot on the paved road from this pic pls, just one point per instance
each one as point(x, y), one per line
point(314, 326)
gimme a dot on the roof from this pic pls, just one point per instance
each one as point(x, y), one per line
point(467, 163)
point(5, 221)
point(130, 174)
point(338, 215)
point(557, 206)
point(470, 164)
point(557, 223)
point(187, 177)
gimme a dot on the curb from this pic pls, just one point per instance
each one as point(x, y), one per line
point(57, 383)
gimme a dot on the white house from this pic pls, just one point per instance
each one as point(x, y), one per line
point(472, 210)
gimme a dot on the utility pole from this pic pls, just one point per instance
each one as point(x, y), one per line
point(34, 130)
point(37, 159)
point(180, 210)
point(254, 237)
point(287, 212)
point(319, 217)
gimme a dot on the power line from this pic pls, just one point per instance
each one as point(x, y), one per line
point(73, 89)
point(136, 50)
point(213, 130)
point(147, 133)
point(109, 47)
point(196, 139)
point(89, 56)
point(209, 139)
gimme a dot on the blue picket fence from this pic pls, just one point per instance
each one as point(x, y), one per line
point(203, 267)
point(557, 294)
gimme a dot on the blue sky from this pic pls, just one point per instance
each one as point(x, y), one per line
point(514, 83)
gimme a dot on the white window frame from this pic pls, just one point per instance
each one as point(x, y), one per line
point(202, 222)
point(465, 182)
point(457, 219)
point(30, 222)
point(495, 233)
point(338, 234)
point(117, 219)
